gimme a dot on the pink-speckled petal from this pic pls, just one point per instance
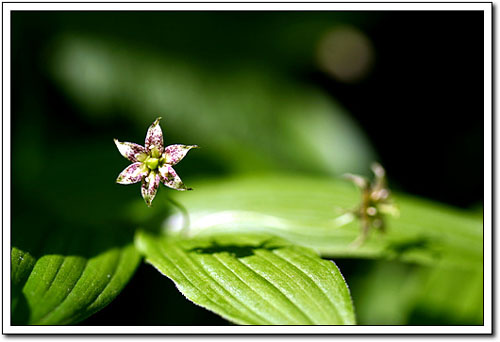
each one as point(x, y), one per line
point(174, 153)
point(131, 151)
point(132, 174)
point(154, 137)
point(170, 178)
point(150, 187)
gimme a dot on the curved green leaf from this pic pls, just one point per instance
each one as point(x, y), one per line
point(308, 212)
point(307, 126)
point(62, 277)
point(252, 279)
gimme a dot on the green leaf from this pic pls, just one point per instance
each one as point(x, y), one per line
point(449, 296)
point(384, 292)
point(252, 279)
point(308, 211)
point(62, 276)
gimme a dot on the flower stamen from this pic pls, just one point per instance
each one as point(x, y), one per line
point(152, 163)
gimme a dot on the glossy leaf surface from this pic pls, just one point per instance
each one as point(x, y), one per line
point(62, 277)
point(252, 279)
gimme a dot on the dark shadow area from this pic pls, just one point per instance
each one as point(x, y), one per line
point(424, 316)
point(21, 310)
point(150, 298)
point(422, 104)
point(423, 243)
point(234, 250)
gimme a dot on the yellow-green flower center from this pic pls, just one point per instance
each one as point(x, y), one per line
point(155, 152)
point(151, 163)
point(142, 157)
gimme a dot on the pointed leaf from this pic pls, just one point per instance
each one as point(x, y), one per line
point(252, 279)
point(62, 276)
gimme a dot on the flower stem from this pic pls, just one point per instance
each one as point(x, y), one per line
point(185, 215)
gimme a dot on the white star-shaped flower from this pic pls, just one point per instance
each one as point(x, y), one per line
point(152, 163)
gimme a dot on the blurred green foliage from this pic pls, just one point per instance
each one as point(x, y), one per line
point(81, 79)
point(255, 119)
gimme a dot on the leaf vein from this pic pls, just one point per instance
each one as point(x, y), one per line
point(113, 275)
point(66, 294)
point(313, 299)
point(222, 287)
point(239, 278)
point(293, 303)
point(312, 279)
point(188, 279)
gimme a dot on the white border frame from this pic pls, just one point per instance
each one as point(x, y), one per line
point(6, 165)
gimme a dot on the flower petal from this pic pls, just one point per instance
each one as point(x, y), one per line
point(174, 153)
point(170, 178)
point(361, 182)
point(150, 187)
point(154, 137)
point(132, 173)
point(131, 151)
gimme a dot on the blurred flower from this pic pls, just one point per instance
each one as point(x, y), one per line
point(375, 202)
point(152, 163)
